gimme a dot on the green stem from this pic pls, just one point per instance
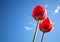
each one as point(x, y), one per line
point(42, 37)
point(35, 34)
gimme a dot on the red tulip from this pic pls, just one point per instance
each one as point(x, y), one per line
point(39, 12)
point(46, 25)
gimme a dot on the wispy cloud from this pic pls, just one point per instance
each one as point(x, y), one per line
point(28, 28)
point(57, 9)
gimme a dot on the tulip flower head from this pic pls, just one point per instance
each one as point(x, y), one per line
point(46, 25)
point(39, 13)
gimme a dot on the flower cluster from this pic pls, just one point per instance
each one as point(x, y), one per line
point(39, 13)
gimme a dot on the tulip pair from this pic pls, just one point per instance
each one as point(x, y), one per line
point(45, 25)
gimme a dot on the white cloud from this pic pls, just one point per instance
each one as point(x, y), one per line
point(57, 9)
point(30, 28)
point(27, 28)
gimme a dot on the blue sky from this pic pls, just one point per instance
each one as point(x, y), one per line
point(17, 24)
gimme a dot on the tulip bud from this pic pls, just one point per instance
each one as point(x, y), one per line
point(46, 25)
point(39, 13)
